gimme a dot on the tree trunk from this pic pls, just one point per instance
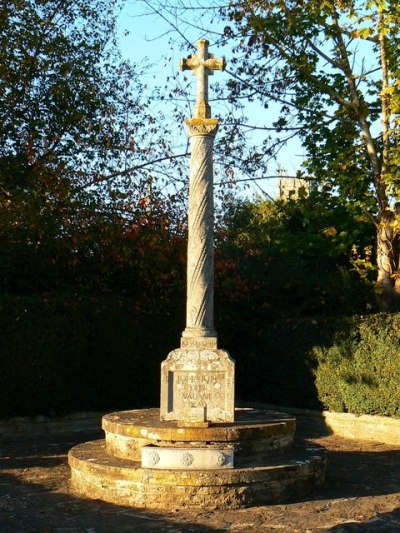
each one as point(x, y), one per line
point(385, 284)
point(388, 283)
point(396, 247)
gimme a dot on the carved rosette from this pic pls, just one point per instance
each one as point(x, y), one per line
point(154, 458)
point(200, 266)
point(187, 459)
point(221, 459)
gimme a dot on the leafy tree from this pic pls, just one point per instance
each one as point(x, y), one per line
point(288, 260)
point(80, 146)
point(330, 70)
point(337, 68)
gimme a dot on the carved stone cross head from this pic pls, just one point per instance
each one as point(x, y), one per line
point(202, 64)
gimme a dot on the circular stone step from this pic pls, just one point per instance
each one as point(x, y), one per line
point(96, 474)
point(256, 433)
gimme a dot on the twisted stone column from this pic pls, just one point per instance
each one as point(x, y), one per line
point(199, 330)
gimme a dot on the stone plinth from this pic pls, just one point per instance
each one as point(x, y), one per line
point(197, 387)
point(268, 467)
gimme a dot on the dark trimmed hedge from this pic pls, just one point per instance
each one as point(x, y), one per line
point(65, 353)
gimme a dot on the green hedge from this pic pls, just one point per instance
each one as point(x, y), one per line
point(347, 364)
point(359, 371)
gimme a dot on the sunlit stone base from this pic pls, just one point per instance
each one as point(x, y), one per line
point(268, 468)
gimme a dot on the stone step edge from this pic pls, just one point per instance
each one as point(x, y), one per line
point(96, 475)
point(375, 428)
point(92, 455)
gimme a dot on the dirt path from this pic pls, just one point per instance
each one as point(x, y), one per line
point(361, 494)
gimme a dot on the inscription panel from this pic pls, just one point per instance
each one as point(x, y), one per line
point(199, 389)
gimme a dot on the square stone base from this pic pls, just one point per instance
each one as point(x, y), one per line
point(197, 387)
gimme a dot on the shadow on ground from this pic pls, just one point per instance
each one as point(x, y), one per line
point(382, 523)
point(35, 495)
point(36, 508)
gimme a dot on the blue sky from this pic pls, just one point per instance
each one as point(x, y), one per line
point(147, 38)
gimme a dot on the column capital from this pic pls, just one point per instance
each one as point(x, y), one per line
point(202, 126)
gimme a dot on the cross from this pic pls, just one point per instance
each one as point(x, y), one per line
point(202, 64)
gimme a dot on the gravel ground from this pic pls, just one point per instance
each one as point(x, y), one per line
point(361, 493)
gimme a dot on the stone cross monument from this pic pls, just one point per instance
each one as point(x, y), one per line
point(192, 452)
point(197, 380)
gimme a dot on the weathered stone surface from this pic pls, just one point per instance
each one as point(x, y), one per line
point(200, 252)
point(187, 458)
point(202, 64)
point(197, 386)
point(364, 427)
point(95, 474)
point(374, 428)
point(255, 433)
